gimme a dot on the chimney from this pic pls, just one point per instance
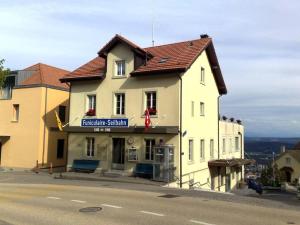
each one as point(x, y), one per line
point(204, 36)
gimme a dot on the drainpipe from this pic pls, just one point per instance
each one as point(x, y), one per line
point(45, 121)
point(180, 133)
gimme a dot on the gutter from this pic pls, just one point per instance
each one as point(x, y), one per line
point(180, 133)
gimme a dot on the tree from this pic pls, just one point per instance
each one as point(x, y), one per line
point(3, 73)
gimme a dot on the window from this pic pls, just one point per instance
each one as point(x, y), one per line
point(192, 108)
point(288, 160)
point(60, 148)
point(90, 146)
point(202, 76)
point(211, 147)
point(201, 108)
point(120, 68)
point(91, 105)
point(120, 104)
point(151, 102)
point(191, 149)
point(202, 149)
point(149, 151)
point(224, 146)
point(62, 113)
point(237, 144)
point(16, 112)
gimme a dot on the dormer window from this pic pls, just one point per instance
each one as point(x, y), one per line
point(120, 68)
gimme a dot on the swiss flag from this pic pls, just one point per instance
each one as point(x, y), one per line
point(147, 119)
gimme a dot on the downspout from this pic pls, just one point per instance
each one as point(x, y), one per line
point(180, 133)
point(45, 121)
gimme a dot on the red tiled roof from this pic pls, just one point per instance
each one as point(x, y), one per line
point(161, 59)
point(92, 69)
point(45, 74)
point(173, 56)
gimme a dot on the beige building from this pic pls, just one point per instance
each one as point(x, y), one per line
point(180, 84)
point(27, 122)
point(288, 164)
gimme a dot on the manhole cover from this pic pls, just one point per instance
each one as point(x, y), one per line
point(289, 222)
point(168, 196)
point(90, 209)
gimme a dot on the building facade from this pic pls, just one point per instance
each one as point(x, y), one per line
point(27, 124)
point(178, 84)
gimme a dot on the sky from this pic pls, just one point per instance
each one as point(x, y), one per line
point(257, 43)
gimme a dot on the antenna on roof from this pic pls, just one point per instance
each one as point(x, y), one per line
point(152, 30)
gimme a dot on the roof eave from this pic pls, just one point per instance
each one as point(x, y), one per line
point(81, 78)
point(162, 71)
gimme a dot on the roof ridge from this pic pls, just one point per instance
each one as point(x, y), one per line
point(174, 43)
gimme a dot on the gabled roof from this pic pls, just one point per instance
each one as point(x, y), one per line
point(94, 69)
point(176, 57)
point(119, 39)
point(43, 74)
point(294, 153)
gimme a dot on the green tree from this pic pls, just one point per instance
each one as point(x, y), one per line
point(3, 72)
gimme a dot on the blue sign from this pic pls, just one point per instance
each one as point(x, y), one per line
point(104, 122)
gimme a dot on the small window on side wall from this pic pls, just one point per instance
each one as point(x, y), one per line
point(91, 105)
point(151, 99)
point(202, 76)
point(62, 113)
point(16, 112)
point(202, 109)
point(90, 146)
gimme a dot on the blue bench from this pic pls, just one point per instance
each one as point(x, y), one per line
point(144, 170)
point(85, 165)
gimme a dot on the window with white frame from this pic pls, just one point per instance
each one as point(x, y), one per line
point(149, 151)
point(120, 104)
point(151, 102)
point(91, 105)
point(202, 109)
point(224, 146)
point(90, 146)
point(202, 149)
point(202, 76)
point(237, 144)
point(191, 149)
point(120, 68)
point(192, 108)
point(211, 148)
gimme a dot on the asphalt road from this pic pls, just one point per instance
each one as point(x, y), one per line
point(58, 202)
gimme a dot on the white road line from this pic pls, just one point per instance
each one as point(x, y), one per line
point(200, 222)
point(78, 201)
point(55, 198)
point(152, 213)
point(112, 206)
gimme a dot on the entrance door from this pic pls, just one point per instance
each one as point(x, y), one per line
point(227, 184)
point(118, 153)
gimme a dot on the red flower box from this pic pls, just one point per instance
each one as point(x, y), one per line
point(151, 111)
point(91, 112)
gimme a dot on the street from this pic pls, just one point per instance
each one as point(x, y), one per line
point(61, 202)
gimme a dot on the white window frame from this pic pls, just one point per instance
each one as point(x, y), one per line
point(202, 75)
point(151, 150)
point(211, 148)
point(90, 146)
point(122, 65)
point(122, 100)
point(91, 101)
point(202, 149)
point(152, 105)
point(191, 150)
point(202, 108)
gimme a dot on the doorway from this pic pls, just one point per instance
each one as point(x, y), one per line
point(288, 176)
point(118, 153)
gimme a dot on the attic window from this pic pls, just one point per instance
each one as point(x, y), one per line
point(163, 59)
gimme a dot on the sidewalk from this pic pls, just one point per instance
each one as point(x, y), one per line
point(100, 177)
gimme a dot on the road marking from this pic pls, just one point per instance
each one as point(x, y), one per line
point(55, 198)
point(200, 222)
point(112, 206)
point(152, 213)
point(78, 201)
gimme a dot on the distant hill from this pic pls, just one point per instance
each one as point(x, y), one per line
point(268, 145)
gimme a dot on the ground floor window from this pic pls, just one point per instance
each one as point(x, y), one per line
point(149, 151)
point(90, 146)
point(60, 148)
